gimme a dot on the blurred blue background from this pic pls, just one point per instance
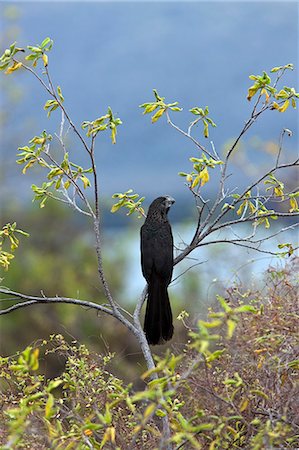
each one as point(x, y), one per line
point(115, 53)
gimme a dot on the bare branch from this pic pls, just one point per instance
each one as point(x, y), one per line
point(189, 136)
point(31, 300)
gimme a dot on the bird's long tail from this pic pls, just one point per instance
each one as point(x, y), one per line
point(158, 325)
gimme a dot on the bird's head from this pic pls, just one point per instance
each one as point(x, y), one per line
point(167, 202)
point(161, 206)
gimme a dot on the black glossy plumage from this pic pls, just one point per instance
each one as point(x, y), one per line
point(157, 266)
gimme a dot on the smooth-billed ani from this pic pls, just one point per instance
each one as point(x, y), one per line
point(157, 266)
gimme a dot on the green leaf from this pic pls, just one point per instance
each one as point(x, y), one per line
point(160, 413)
point(157, 115)
point(206, 129)
point(246, 308)
point(231, 325)
point(149, 410)
point(150, 108)
point(158, 98)
point(85, 181)
point(215, 355)
point(223, 304)
point(285, 106)
point(252, 91)
point(59, 92)
point(45, 42)
point(53, 384)
point(49, 407)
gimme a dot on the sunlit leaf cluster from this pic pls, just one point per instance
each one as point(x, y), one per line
point(60, 175)
point(108, 121)
point(31, 154)
point(253, 207)
point(55, 103)
point(7, 60)
point(203, 115)
point(159, 106)
point(232, 386)
point(200, 175)
point(280, 100)
point(9, 239)
point(274, 185)
point(38, 52)
point(129, 200)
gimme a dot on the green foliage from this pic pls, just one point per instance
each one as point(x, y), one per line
point(159, 106)
point(203, 116)
point(60, 175)
point(39, 52)
point(130, 201)
point(275, 185)
point(102, 124)
point(262, 85)
point(8, 234)
point(9, 62)
point(30, 155)
point(232, 386)
point(8, 58)
point(293, 201)
point(200, 175)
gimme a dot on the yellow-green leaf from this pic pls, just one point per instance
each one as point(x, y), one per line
point(157, 115)
point(45, 59)
point(293, 204)
point(28, 165)
point(204, 176)
point(195, 181)
point(59, 92)
point(212, 324)
point(244, 404)
point(34, 364)
point(149, 410)
point(285, 106)
point(278, 192)
point(49, 407)
point(251, 207)
point(113, 135)
point(109, 435)
point(251, 92)
point(275, 105)
point(150, 108)
point(38, 140)
point(13, 68)
point(85, 180)
point(265, 93)
point(240, 209)
point(206, 130)
point(231, 325)
point(294, 103)
point(281, 94)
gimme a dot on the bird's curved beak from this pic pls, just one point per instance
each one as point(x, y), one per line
point(169, 201)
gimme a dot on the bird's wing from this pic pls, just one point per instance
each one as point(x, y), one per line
point(157, 252)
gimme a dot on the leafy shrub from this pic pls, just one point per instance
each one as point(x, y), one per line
point(233, 386)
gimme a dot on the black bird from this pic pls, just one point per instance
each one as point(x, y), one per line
point(157, 266)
